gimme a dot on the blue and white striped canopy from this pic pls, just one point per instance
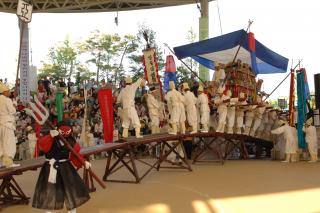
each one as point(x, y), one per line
point(222, 49)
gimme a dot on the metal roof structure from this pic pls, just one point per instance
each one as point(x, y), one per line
point(85, 6)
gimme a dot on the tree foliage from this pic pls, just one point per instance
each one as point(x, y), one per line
point(183, 73)
point(62, 61)
point(136, 66)
point(104, 51)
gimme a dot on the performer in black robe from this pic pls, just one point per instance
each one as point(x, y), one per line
point(59, 183)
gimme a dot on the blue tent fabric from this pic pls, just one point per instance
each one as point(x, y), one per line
point(223, 49)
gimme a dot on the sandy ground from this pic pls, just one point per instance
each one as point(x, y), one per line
point(237, 186)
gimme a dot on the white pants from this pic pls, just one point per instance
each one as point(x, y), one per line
point(222, 111)
point(155, 120)
point(191, 115)
point(130, 116)
point(231, 116)
point(7, 142)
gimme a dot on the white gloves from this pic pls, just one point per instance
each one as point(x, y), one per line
point(87, 164)
point(54, 133)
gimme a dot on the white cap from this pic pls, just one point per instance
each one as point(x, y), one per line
point(282, 122)
point(200, 88)
point(220, 90)
point(309, 121)
point(29, 128)
point(128, 80)
point(185, 86)
point(171, 85)
point(3, 88)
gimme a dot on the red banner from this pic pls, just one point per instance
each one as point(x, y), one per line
point(252, 42)
point(106, 110)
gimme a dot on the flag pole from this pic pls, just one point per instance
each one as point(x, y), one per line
point(193, 72)
point(240, 44)
point(282, 81)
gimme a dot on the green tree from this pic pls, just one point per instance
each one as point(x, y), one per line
point(62, 61)
point(136, 67)
point(104, 51)
point(84, 73)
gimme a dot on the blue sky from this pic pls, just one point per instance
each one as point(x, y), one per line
point(287, 27)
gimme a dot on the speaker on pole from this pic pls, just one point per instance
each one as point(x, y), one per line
point(317, 90)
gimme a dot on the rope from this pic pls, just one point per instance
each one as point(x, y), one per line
point(219, 17)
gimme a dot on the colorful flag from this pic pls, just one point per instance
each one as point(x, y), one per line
point(252, 49)
point(59, 106)
point(170, 72)
point(106, 110)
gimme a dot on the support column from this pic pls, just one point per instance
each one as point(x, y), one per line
point(203, 34)
point(23, 62)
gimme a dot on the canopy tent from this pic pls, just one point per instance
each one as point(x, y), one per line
point(222, 49)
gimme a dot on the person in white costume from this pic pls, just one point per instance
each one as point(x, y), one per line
point(231, 114)
point(249, 117)
point(221, 101)
point(218, 76)
point(240, 112)
point(290, 138)
point(258, 116)
point(32, 139)
point(129, 112)
point(190, 106)
point(203, 105)
point(311, 140)
point(8, 139)
point(154, 110)
point(175, 101)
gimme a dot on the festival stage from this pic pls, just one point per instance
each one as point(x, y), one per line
point(122, 155)
point(248, 186)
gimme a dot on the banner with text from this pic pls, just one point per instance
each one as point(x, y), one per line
point(24, 65)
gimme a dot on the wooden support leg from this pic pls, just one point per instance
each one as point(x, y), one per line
point(11, 193)
point(133, 163)
point(107, 171)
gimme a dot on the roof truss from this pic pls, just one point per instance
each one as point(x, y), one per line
point(78, 6)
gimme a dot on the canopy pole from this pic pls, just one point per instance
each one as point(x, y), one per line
point(193, 72)
point(240, 44)
point(282, 81)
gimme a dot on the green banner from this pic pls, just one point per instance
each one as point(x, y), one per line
point(59, 106)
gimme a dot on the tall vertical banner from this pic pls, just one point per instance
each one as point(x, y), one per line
point(59, 106)
point(24, 12)
point(302, 107)
point(24, 65)
point(84, 129)
point(291, 99)
point(151, 70)
point(106, 110)
point(150, 66)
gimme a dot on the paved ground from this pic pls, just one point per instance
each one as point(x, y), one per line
point(255, 186)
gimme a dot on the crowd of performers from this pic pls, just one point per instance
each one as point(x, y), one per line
point(187, 108)
point(221, 112)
